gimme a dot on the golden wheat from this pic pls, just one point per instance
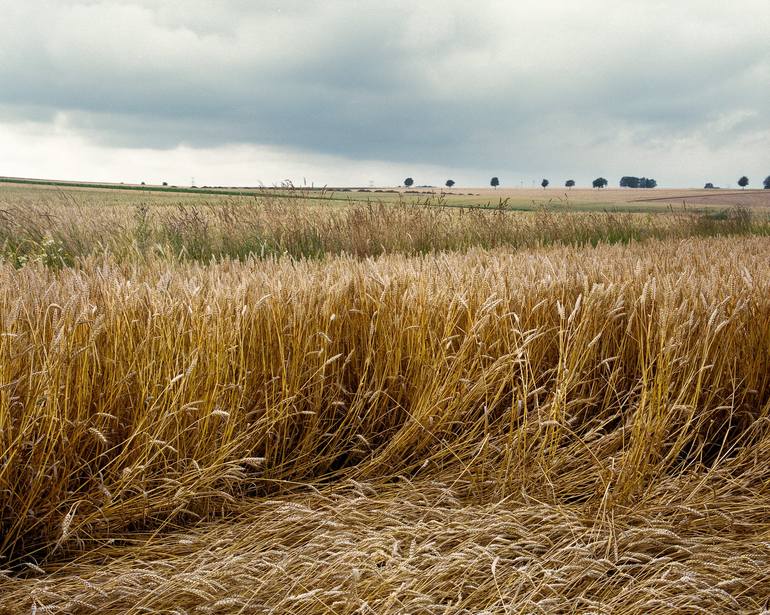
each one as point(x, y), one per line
point(548, 430)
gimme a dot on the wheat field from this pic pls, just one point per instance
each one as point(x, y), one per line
point(579, 422)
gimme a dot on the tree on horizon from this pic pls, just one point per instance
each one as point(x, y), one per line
point(743, 182)
point(494, 182)
point(600, 183)
point(570, 183)
point(449, 183)
point(408, 182)
point(544, 183)
point(629, 181)
point(766, 183)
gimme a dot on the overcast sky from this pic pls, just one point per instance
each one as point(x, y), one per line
point(239, 92)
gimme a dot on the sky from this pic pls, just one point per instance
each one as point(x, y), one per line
point(351, 93)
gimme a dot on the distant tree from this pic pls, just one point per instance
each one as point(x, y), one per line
point(494, 182)
point(165, 183)
point(708, 186)
point(544, 183)
point(408, 182)
point(645, 182)
point(766, 183)
point(600, 182)
point(629, 181)
point(743, 182)
point(143, 184)
point(449, 183)
point(570, 183)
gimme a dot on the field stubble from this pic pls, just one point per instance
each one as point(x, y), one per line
point(540, 430)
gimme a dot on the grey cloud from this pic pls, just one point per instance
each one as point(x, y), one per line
point(445, 83)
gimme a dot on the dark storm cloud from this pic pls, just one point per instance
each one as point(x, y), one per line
point(451, 84)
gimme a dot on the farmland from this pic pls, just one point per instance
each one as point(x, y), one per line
point(526, 199)
point(60, 226)
point(272, 404)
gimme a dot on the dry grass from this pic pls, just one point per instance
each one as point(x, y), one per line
point(63, 227)
point(552, 430)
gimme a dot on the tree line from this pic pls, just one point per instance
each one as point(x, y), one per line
point(599, 182)
point(742, 182)
point(627, 181)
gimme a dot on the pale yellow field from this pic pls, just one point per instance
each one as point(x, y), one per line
point(619, 197)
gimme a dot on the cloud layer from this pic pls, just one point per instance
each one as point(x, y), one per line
point(521, 90)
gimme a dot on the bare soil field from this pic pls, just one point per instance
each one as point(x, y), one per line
point(746, 198)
